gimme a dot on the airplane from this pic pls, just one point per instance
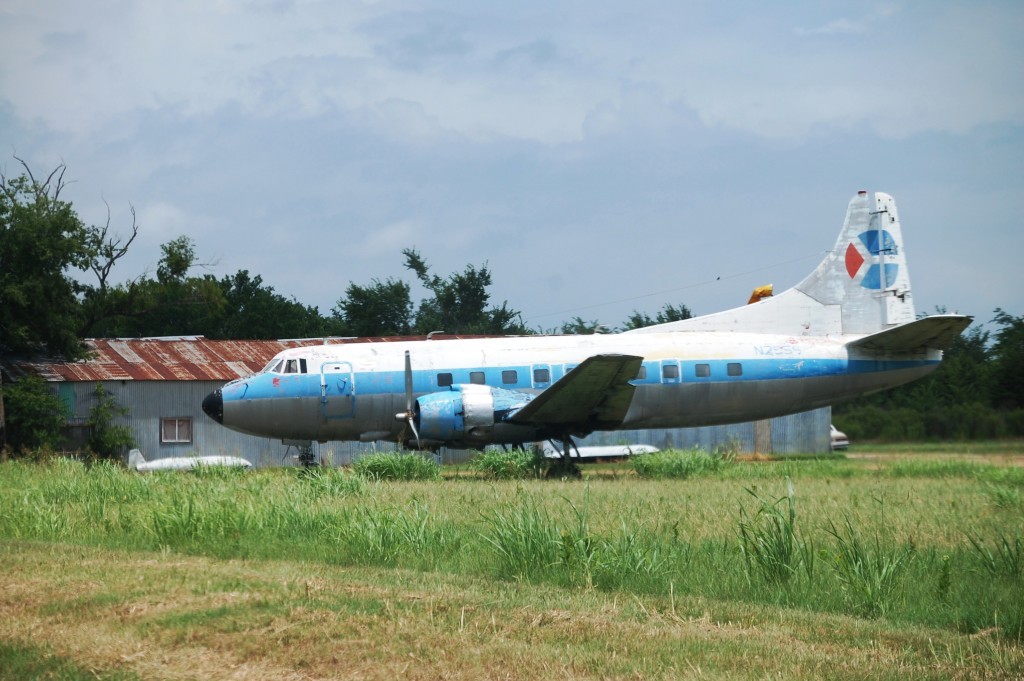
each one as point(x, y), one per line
point(183, 463)
point(599, 452)
point(848, 329)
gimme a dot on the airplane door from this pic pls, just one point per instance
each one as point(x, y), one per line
point(337, 390)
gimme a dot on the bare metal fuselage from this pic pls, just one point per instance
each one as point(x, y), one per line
point(353, 391)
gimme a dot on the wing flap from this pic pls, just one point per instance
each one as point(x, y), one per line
point(937, 332)
point(595, 394)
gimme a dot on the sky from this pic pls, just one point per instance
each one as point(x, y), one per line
point(598, 157)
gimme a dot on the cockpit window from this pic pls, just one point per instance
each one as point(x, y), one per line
point(291, 366)
point(274, 367)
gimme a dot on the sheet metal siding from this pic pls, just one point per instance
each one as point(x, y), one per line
point(803, 433)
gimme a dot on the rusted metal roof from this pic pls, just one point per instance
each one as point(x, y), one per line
point(172, 359)
point(192, 359)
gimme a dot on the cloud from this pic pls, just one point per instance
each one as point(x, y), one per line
point(311, 141)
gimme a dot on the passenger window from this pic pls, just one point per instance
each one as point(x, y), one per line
point(670, 371)
point(444, 380)
point(703, 370)
point(509, 377)
point(476, 377)
point(642, 374)
point(734, 369)
point(542, 375)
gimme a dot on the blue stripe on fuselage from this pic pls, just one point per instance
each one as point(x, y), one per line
point(264, 386)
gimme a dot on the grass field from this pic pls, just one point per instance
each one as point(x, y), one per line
point(894, 563)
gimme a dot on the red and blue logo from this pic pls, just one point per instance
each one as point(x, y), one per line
point(871, 244)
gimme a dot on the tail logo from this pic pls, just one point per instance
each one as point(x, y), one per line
point(873, 243)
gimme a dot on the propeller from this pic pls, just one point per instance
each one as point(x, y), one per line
point(409, 415)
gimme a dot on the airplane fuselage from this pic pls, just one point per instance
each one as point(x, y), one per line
point(352, 391)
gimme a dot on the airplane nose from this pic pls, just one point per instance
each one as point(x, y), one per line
point(213, 405)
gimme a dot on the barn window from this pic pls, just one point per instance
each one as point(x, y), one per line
point(175, 430)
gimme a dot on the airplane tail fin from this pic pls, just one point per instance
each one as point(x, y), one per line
point(861, 287)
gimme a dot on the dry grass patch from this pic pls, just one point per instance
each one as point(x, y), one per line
point(168, 617)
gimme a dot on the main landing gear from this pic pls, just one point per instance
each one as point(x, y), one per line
point(565, 468)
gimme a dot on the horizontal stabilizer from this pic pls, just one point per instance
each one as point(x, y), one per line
point(937, 333)
point(597, 393)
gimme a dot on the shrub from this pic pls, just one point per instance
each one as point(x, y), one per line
point(517, 464)
point(34, 414)
point(107, 441)
point(677, 464)
point(397, 466)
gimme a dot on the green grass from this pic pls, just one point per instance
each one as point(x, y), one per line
point(397, 466)
point(678, 464)
point(23, 662)
point(517, 464)
point(925, 542)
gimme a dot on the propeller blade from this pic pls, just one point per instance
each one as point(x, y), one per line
point(408, 384)
point(409, 416)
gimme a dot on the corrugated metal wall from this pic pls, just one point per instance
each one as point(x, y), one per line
point(803, 433)
point(149, 402)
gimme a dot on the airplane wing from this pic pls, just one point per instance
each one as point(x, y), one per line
point(596, 394)
point(938, 332)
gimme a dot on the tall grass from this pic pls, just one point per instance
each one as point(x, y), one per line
point(630, 534)
point(517, 464)
point(771, 544)
point(869, 573)
point(397, 466)
point(1005, 559)
point(679, 464)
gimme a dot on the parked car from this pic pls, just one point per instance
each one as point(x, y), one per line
point(839, 439)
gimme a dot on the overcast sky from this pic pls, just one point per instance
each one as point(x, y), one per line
point(599, 157)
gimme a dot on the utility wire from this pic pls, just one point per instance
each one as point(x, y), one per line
point(816, 254)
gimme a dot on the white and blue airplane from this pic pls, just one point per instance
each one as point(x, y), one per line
point(847, 330)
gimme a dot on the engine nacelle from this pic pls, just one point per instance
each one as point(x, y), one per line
point(450, 416)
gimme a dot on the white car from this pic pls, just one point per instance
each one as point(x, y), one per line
point(839, 439)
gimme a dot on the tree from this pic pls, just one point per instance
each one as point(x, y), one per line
point(173, 304)
point(459, 303)
point(106, 440)
point(1008, 361)
point(579, 326)
point(668, 313)
point(41, 240)
point(253, 310)
point(380, 309)
point(34, 414)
